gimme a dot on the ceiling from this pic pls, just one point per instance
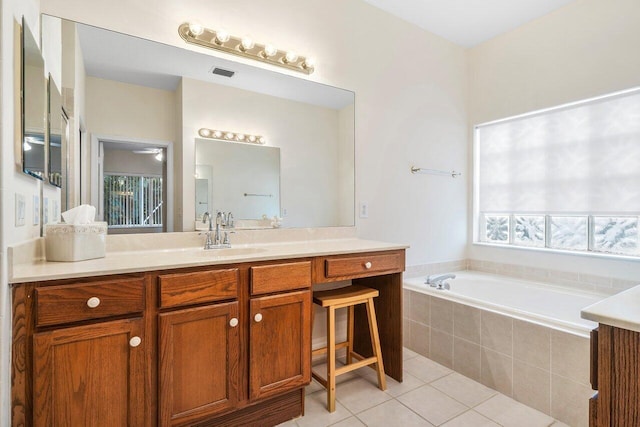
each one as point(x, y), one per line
point(468, 22)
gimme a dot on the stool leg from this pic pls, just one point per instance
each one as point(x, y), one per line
point(350, 314)
point(331, 359)
point(375, 344)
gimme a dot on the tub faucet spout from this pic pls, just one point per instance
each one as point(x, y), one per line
point(438, 281)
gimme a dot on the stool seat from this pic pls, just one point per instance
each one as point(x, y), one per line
point(347, 295)
point(333, 299)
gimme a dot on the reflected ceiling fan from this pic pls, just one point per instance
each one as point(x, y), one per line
point(156, 151)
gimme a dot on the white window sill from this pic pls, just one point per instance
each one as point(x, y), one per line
point(600, 255)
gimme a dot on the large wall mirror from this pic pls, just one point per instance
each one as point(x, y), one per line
point(150, 99)
point(33, 106)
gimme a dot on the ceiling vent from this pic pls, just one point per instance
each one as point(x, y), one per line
point(223, 72)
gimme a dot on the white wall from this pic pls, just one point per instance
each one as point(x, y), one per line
point(410, 99)
point(587, 48)
point(307, 136)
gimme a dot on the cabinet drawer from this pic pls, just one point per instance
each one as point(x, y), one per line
point(201, 286)
point(77, 302)
point(363, 265)
point(280, 277)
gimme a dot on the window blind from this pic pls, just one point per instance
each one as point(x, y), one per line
point(581, 158)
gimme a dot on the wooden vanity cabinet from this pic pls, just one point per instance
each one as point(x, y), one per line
point(204, 346)
point(615, 373)
point(279, 328)
point(198, 345)
point(88, 367)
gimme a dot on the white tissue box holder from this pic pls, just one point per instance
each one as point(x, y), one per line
point(69, 242)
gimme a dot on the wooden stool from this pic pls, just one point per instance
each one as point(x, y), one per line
point(333, 299)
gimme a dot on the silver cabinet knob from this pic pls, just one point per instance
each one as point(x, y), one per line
point(367, 265)
point(257, 318)
point(135, 341)
point(93, 302)
point(233, 322)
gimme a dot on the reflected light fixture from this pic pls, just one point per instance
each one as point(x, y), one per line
point(26, 146)
point(224, 135)
point(220, 39)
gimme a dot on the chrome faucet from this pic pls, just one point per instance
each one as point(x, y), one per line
point(208, 243)
point(220, 237)
point(438, 281)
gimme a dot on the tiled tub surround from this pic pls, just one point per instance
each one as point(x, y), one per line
point(541, 366)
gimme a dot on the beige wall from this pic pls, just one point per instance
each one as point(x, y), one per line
point(123, 161)
point(585, 49)
point(125, 110)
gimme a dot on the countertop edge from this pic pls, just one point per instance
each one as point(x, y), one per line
point(619, 310)
point(39, 271)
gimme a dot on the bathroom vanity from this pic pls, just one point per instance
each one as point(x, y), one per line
point(615, 360)
point(186, 336)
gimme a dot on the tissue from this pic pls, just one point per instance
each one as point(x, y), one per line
point(78, 238)
point(83, 214)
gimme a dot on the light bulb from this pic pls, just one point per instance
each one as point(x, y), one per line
point(159, 156)
point(246, 43)
point(205, 132)
point(195, 29)
point(26, 146)
point(222, 36)
point(240, 137)
point(261, 140)
point(309, 63)
point(229, 135)
point(291, 56)
point(251, 138)
point(269, 50)
point(217, 134)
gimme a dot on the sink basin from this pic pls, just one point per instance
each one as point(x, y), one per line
point(232, 251)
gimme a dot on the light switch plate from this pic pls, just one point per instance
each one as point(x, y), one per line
point(36, 210)
point(20, 210)
point(364, 210)
point(45, 211)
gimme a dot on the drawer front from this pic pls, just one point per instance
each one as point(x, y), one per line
point(77, 302)
point(182, 289)
point(363, 265)
point(280, 277)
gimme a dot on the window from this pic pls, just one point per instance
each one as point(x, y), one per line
point(132, 201)
point(565, 178)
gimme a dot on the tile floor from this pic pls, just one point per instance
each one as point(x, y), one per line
point(430, 395)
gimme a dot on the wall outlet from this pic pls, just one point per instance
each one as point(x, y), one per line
point(36, 210)
point(364, 210)
point(21, 209)
point(284, 212)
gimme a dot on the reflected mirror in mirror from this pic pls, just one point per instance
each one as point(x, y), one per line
point(33, 106)
point(55, 135)
point(240, 178)
point(141, 90)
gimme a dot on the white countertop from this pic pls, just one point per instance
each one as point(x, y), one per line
point(148, 260)
point(621, 310)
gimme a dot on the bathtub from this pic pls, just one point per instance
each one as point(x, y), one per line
point(539, 303)
point(524, 339)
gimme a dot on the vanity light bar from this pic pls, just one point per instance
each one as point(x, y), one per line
point(224, 135)
point(244, 46)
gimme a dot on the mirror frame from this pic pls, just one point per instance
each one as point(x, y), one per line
point(23, 103)
point(51, 111)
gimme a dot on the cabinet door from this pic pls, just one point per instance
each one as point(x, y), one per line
point(198, 365)
point(280, 343)
point(90, 375)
